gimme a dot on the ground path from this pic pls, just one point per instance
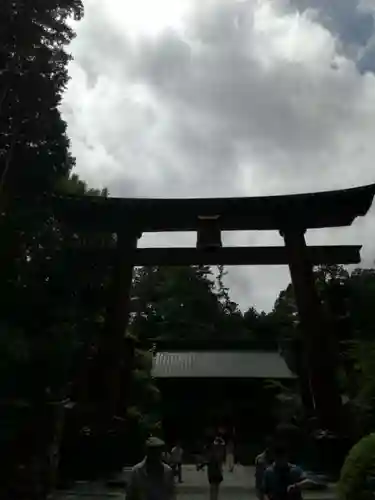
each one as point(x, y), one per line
point(238, 485)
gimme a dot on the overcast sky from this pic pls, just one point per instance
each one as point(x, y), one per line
point(185, 98)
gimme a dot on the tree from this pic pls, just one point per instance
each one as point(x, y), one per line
point(168, 298)
point(328, 281)
point(34, 148)
point(183, 303)
point(358, 471)
point(34, 156)
point(262, 327)
point(360, 303)
point(52, 322)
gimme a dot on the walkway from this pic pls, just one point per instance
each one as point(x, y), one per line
point(238, 485)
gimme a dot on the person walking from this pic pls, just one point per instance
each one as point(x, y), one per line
point(176, 461)
point(230, 454)
point(166, 457)
point(262, 462)
point(283, 480)
point(213, 459)
point(151, 479)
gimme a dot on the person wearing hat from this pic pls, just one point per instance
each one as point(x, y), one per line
point(151, 479)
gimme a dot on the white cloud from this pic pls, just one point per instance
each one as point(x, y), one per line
point(219, 98)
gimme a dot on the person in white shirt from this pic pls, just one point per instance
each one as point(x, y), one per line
point(176, 461)
point(151, 479)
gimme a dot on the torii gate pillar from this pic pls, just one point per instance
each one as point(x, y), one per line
point(117, 350)
point(320, 357)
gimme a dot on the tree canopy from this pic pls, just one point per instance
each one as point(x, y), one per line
point(183, 303)
point(34, 147)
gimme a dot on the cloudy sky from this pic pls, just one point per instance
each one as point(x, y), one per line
point(187, 98)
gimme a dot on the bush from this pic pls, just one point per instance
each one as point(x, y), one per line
point(358, 471)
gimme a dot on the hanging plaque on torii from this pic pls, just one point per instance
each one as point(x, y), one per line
point(291, 215)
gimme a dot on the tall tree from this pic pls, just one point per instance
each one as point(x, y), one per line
point(34, 156)
point(34, 148)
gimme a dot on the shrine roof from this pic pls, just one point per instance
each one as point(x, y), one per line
point(310, 210)
point(220, 364)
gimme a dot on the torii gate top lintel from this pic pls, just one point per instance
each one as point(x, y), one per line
point(310, 210)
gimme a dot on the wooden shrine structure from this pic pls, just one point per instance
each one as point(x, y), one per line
point(291, 215)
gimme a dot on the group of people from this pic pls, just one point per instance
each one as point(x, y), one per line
point(154, 478)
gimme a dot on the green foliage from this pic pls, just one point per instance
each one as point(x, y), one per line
point(361, 297)
point(34, 158)
point(61, 317)
point(145, 394)
point(262, 326)
point(359, 384)
point(33, 370)
point(184, 303)
point(358, 469)
point(34, 148)
point(38, 311)
point(287, 404)
point(347, 302)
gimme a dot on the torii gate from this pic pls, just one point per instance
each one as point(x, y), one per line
point(291, 215)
